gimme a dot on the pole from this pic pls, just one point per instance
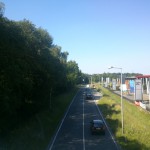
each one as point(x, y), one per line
point(122, 115)
point(149, 91)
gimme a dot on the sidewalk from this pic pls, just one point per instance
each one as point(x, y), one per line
point(130, 97)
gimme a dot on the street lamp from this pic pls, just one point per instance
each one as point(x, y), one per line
point(122, 119)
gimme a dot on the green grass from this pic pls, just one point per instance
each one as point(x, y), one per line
point(36, 133)
point(136, 121)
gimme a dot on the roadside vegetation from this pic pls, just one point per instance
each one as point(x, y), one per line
point(37, 83)
point(37, 132)
point(34, 73)
point(136, 121)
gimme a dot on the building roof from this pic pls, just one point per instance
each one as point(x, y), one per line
point(130, 78)
point(143, 76)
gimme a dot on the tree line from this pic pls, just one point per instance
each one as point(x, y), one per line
point(97, 77)
point(32, 68)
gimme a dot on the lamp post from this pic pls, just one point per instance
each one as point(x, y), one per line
point(122, 116)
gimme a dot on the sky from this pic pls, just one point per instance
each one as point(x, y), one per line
point(96, 33)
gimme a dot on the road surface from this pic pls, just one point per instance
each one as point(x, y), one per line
point(74, 133)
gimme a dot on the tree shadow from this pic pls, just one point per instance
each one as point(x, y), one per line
point(109, 109)
point(106, 95)
point(131, 144)
point(114, 124)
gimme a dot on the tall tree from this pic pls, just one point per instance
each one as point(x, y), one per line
point(31, 66)
point(64, 56)
point(2, 9)
point(72, 73)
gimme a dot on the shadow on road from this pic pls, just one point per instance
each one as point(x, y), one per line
point(131, 144)
point(113, 124)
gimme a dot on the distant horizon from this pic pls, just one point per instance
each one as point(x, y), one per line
point(116, 73)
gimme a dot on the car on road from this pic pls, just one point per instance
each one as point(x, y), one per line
point(89, 96)
point(97, 127)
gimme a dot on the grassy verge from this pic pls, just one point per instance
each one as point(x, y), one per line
point(35, 134)
point(136, 121)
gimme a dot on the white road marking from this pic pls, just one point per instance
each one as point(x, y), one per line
point(83, 127)
point(62, 122)
point(112, 137)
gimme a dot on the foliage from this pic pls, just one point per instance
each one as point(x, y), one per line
point(2, 9)
point(97, 77)
point(72, 73)
point(36, 133)
point(31, 69)
point(136, 121)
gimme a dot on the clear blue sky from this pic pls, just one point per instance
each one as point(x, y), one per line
point(96, 33)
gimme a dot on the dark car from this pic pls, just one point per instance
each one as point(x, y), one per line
point(97, 127)
point(89, 96)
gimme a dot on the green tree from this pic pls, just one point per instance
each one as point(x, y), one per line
point(72, 73)
point(2, 9)
point(31, 67)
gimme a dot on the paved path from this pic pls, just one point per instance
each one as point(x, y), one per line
point(130, 97)
point(74, 133)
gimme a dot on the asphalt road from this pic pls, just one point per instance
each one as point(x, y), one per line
point(74, 132)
